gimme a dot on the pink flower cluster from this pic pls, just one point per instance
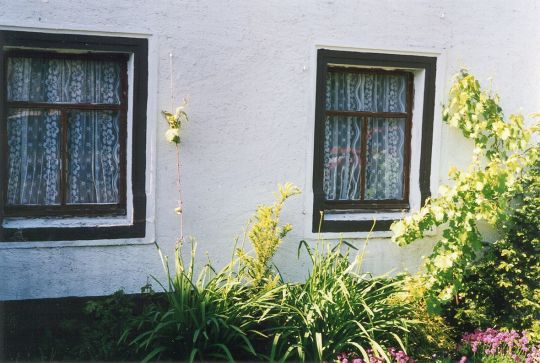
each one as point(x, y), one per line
point(492, 342)
point(398, 356)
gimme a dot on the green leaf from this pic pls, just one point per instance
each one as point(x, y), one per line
point(153, 354)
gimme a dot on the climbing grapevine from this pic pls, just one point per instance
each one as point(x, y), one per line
point(502, 154)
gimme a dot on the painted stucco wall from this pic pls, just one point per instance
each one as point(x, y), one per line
point(248, 71)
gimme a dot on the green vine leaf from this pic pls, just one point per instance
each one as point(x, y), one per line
point(503, 152)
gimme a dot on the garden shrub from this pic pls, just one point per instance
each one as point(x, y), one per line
point(266, 235)
point(218, 314)
point(503, 287)
point(246, 311)
point(430, 337)
point(106, 320)
point(484, 192)
point(212, 315)
point(338, 308)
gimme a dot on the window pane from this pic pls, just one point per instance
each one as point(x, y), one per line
point(385, 155)
point(353, 91)
point(33, 157)
point(342, 157)
point(63, 80)
point(94, 157)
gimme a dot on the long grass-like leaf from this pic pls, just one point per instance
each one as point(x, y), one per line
point(225, 350)
point(153, 354)
point(193, 355)
point(319, 343)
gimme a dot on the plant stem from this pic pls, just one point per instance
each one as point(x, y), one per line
point(178, 185)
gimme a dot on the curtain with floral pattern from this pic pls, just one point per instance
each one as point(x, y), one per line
point(385, 137)
point(34, 135)
point(342, 157)
point(385, 158)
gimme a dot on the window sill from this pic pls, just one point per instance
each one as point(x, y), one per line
point(66, 211)
point(365, 215)
point(24, 230)
point(358, 225)
point(64, 222)
point(358, 220)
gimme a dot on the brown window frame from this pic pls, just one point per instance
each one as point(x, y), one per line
point(374, 204)
point(332, 60)
point(74, 209)
point(134, 48)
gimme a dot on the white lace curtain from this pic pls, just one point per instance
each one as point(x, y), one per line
point(93, 147)
point(385, 137)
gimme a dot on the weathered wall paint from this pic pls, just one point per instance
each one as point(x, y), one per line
point(248, 70)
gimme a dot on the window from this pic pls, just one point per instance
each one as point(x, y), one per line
point(64, 133)
point(363, 133)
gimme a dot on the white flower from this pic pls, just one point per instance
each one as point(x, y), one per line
point(398, 228)
point(505, 134)
point(438, 213)
point(173, 135)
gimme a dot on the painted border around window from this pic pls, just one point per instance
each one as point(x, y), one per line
point(325, 58)
point(138, 49)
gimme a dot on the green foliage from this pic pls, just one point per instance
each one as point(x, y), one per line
point(217, 314)
point(107, 319)
point(338, 308)
point(503, 287)
point(227, 315)
point(430, 337)
point(266, 235)
point(481, 193)
point(212, 315)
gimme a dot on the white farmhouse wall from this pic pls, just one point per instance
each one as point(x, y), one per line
point(248, 70)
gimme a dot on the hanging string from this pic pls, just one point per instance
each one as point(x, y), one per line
point(180, 209)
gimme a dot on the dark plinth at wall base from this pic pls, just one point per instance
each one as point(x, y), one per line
point(31, 330)
point(25, 323)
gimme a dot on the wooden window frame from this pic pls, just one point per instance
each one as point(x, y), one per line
point(329, 60)
point(75, 209)
point(387, 204)
point(74, 46)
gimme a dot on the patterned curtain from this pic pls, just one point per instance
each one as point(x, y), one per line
point(385, 142)
point(63, 81)
point(93, 157)
point(384, 158)
point(33, 157)
point(34, 136)
point(342, 157)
